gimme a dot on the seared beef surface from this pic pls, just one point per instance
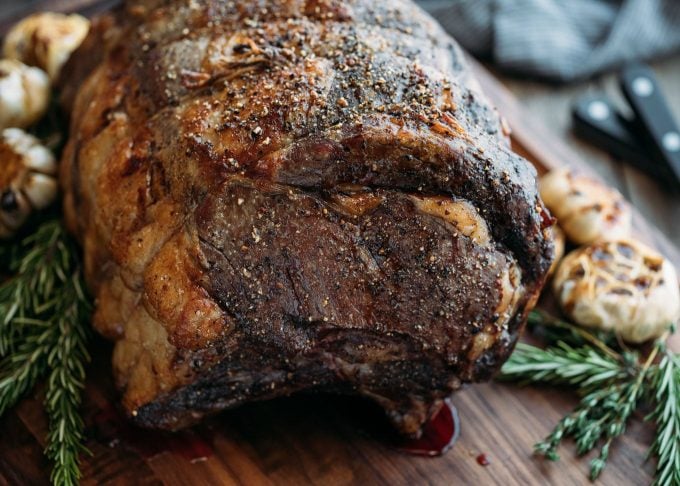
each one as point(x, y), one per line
point(275, 196)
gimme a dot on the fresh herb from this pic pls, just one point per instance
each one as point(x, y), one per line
point(666, 446)
point(612, 381)
point(44, 315)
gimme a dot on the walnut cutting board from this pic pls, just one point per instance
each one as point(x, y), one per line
point(323, 439)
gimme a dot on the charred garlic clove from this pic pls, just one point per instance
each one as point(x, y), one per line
point(46, 40)
point(24, 94)
point(14, 209)
point(586, 209)
point(620, 286)
point(27, 179)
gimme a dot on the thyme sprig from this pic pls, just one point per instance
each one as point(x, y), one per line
point(612, 381)
point(44, 315)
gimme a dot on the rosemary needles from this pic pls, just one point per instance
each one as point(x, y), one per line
point(44, 314)
point(612, 382)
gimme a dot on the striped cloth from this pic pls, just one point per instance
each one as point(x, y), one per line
point(561, 40)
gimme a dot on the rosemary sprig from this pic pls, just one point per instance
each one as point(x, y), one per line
point(20, 371)
point(666, 444)
point(612, 382)
point(564, 365)
point(43, 333)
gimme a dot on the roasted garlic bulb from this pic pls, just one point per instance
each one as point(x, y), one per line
point(24, 94)
point(586, 209)
point(620, 285)
point(27, 178)
point(560, 243)
point(46, 40)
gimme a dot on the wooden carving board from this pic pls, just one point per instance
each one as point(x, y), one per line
point(328, 440)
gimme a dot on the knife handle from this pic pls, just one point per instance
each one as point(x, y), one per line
point(596, 120)
point(653, 119)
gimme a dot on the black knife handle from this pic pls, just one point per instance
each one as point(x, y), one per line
point(596, 120)
point(653, 119)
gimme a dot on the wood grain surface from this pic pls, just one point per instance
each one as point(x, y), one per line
point(329, 440)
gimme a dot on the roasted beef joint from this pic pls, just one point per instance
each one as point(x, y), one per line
point(276, 196)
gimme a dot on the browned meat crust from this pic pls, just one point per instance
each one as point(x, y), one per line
point(284, 195)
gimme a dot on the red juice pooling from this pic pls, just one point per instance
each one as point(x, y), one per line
point(482, 460)
point(440, 433)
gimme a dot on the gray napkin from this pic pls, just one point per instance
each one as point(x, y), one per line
point(561, 40)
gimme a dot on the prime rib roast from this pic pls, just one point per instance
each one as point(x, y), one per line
point(276, 196)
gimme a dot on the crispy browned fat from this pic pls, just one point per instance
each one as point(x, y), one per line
point(275, 196)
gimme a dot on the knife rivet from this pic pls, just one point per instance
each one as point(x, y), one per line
point(671, 141)
point(598, 110)
point(642, 86)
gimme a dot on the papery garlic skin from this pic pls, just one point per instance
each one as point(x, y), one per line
point(621, 286)
point(27, 179)
point(585, 209)
point(24, 94)
point(46, 40)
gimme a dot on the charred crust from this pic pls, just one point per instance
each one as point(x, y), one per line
point(276, 148)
